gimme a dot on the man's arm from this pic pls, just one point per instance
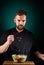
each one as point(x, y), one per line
point(5, 46)
point(39, 55)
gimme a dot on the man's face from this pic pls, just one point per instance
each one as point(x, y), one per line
point(20, 21)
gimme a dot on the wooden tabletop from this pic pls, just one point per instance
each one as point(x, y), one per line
point(14, 63)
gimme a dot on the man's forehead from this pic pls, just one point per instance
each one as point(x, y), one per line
point(21, 17)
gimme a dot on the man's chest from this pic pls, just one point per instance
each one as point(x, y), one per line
point(22, 44)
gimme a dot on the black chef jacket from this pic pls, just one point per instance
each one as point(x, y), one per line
point(22, 44)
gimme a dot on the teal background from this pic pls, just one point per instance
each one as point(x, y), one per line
point(34, 11)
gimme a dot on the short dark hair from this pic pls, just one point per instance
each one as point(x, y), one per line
point(21, 12)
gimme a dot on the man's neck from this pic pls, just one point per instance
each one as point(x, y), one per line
point(19, 30)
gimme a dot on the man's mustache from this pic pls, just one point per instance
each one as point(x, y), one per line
point(20, 25)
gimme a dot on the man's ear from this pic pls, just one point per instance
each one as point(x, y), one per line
point(14, 19)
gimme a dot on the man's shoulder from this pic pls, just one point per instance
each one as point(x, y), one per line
point(9, 31)
point(28, 31)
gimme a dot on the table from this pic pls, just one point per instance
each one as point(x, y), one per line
point(14, 63)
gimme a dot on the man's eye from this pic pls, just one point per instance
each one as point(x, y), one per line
point(23, 20)
point(18, 20)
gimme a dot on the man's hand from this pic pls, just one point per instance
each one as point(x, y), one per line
point(5, 46)
point(10, 38)
point(41, 56)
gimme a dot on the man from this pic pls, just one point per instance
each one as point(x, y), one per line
point(17, 40)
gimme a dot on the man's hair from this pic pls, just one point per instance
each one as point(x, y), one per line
point(21, 12)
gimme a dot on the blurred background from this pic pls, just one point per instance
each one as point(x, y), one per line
point(34, 9)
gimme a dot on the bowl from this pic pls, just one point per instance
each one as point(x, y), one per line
point(19, 57)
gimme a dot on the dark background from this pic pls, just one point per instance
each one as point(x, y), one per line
point(35, 15)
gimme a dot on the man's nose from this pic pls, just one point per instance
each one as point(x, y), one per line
point(21, 22)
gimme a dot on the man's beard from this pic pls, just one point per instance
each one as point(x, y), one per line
point(20, 27)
